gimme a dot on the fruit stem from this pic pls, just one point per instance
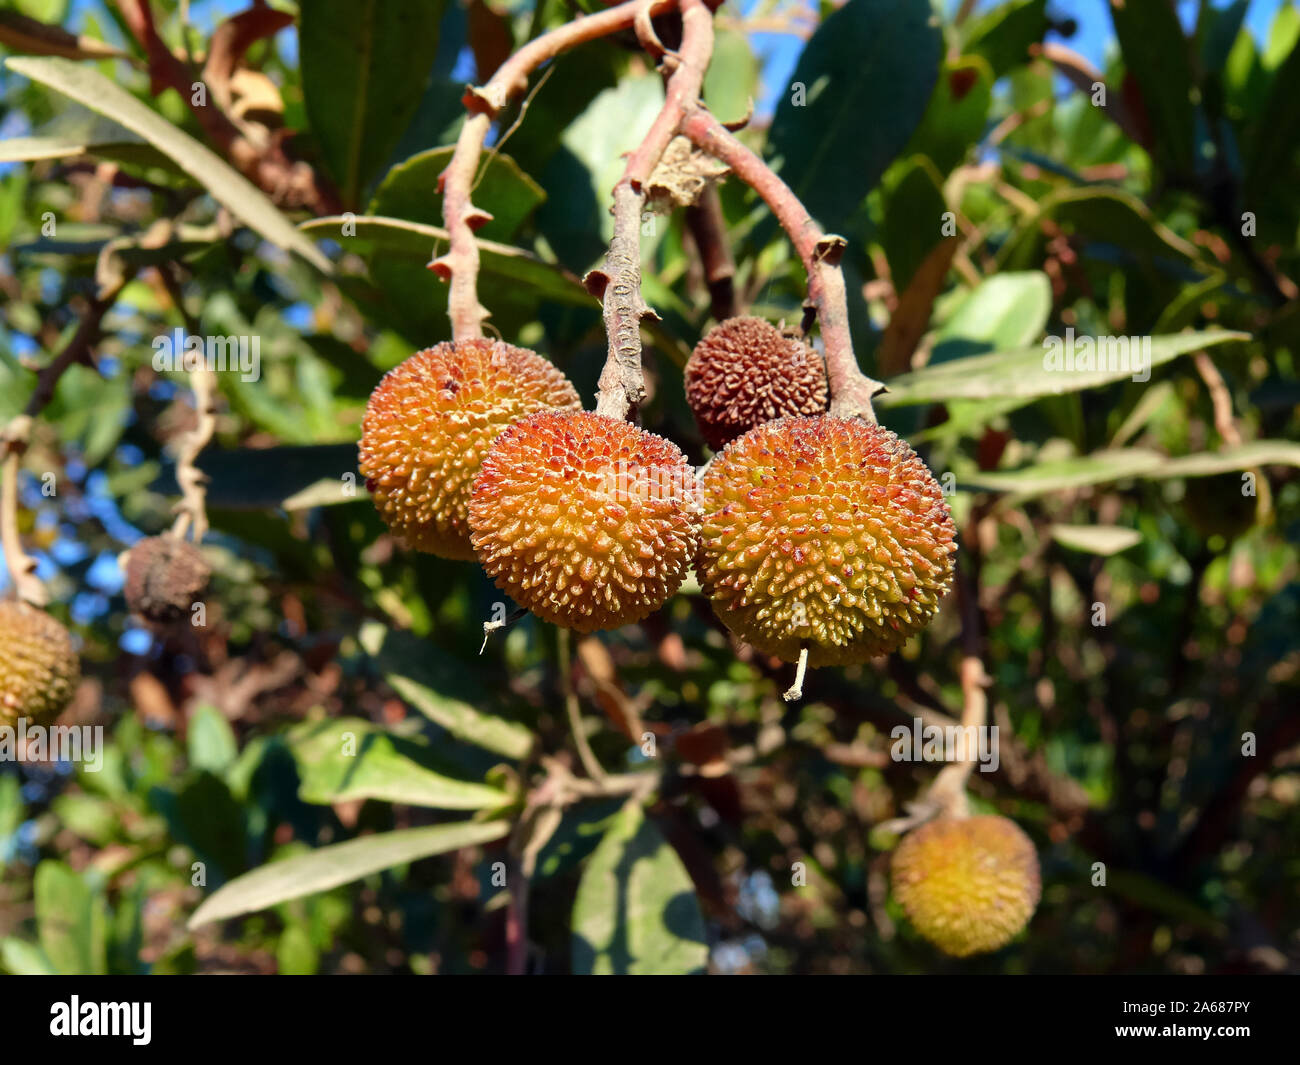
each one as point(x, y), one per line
point(618, 284)
point(795, 691)
point(851, 390)
point(461, 262)
point(191, 508)
point(586, 755)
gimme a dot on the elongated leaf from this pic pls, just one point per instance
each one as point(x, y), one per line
point(72, 920)
point(1003, 33)
point(410, 191)
point(1103, 467)
point(91, 89)
point(416, 242)
point(957, 114)
point(79, 131)
point(1002, 313)
point(340, 863)
point(280, 477)
point(365, 65)
point(1158, 55)
point(1096, 539)
point(636, 910)
point(858, 93)
point(1031, 372)
point(1104, 215)
point(349, 758)
point(433, 683)
point(21, 958)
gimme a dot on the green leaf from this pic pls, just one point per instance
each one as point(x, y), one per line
point(410, 191)
point(859, 90)
point(957, 114)
point(732, 79)
point(417, 242)
point(1096, 539)
point(1003, 34)
point(1104, 467)
point(636, 912)
point(78, 131)
point(211, 740)
point(1026, 373)
point(1105, 215)
point(11, 812)
point(90, 88)
point(1277, 132)
point(340, 863)
point(72, 921)
point(913, 222)
point(1003, 312)
point(365, 65)
point(295, 954)
point(435, 684)
point(283, 473)
point(1158, 56)
point(349, 758)
point(25, 959)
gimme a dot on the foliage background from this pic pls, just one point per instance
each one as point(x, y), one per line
point(1127, 737)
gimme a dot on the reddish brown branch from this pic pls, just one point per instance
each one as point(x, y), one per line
point(461, 218)
point(618, 283)
point(709, 231)
point(851, 389)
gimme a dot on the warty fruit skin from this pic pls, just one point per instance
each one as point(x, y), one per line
point(969, 885)
point(165, 577)
point(826, 533)
point(39, 669)
point(746, 372)
point(431, 420)
point(588, 521)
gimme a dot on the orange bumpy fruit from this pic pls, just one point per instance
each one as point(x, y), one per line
point(969, 885)
point(587, 521)
point(165, 577)
point(824, 533)
point(39, 669)
point(431, 420)
point(746, 372)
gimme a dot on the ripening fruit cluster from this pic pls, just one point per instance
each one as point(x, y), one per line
point(807, 531)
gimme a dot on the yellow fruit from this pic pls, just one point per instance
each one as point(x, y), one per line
point(165, 577)
point(969, 885)
point(824, 533)
point(39, 669)
point(746, 372)
point(587, 521)
point(431, 420)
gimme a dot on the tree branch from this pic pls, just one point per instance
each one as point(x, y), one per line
point(851, 389)
point(618, 284)
point(460, 264)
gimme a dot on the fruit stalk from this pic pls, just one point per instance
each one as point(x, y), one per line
point(461, 218)
point(851, 390)
point(191, 508)
point(618, 283)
